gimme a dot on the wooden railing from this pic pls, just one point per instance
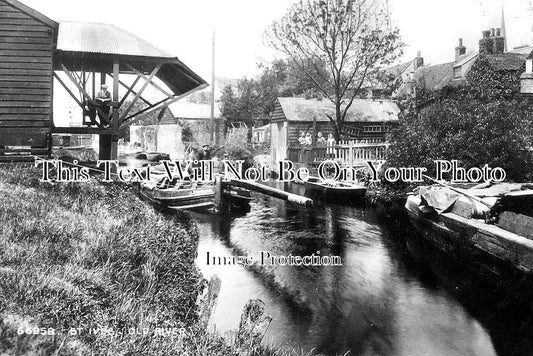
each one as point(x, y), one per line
point(346, 152)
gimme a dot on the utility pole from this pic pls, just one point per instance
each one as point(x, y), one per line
point(212, 123)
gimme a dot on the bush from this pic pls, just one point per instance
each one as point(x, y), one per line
point(474, 125)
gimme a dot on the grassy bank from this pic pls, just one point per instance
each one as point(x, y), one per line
point(94, 257)
point(89, 269)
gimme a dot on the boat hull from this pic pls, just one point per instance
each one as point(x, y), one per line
point(492, 250)
point(326, 192)
point(200, 198)
point(180, 198)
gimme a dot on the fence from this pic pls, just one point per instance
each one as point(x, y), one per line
point(350, 153)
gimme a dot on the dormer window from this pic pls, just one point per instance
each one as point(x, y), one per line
point(457, 72)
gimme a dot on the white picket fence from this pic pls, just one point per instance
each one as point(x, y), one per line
point(349, 153)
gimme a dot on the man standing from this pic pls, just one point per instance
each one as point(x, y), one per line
point(205, 153)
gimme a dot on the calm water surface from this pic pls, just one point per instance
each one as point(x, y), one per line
point(391, 296)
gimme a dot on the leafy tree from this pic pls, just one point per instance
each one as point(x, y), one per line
point(351, 39)
point(241, 103)
point(253, 100)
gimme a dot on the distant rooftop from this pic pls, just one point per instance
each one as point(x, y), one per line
point(362, 110)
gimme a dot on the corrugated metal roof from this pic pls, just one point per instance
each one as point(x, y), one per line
point(362, 110)
point(95, 46)
point(104, 39)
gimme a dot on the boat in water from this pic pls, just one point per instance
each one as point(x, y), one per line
point(490, 227)
point(333, 190)
point(185, 194)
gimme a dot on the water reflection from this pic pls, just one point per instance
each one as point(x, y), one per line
point(381, 301)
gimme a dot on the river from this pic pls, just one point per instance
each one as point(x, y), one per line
point(392, 295)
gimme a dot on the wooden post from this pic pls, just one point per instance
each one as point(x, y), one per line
point(351, 153)
point(209, 301)
point(212, 119)
point(252, 327)
point(218, 192)
point(104, 147)
point(273, 192)
point(313, 139)
point(94, 85)
point(115, 113)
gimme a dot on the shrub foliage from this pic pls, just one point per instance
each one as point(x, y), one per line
point(481, 122)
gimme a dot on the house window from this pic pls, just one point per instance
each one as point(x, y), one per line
point(373, 128)
point(457, 72)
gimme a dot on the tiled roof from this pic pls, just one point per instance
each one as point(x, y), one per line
point(362, 110)
point(506, 61)
point(434, 77)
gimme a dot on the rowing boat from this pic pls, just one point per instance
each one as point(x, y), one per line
point(188, 195)
point(326, 189)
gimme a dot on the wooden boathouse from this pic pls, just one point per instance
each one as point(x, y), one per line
point(365, 130)
point(39, 56)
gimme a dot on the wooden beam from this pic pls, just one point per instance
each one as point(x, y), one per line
point(160, 105)
point(84, 93)
point(130, 90)
point(149, 108)
point(161, 114)
point(164, 103)
point(145, 85)
point(68, 89)
point(152, 82)
point(83, 130)
point(115, 114)
point(94, 84)
point(135, 93)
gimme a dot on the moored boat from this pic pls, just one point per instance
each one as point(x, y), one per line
point(188, 195)
point(178, 196)
point(491, 228)
point(326, 189)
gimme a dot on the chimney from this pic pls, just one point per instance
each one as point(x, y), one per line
point(486, 43)
point(418, 61)
point(459, 50)
point(526, 79)
point(498, 43)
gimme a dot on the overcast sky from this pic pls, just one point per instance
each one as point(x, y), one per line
point(184, 27)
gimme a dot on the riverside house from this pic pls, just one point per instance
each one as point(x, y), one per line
point(367, 122)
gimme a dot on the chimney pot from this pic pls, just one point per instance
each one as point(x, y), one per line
point(526, 79)
point(418, 61)
point(459, 50)
point(486, 44)
point(492, 32)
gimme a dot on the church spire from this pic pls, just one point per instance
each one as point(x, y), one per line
point(503, 29)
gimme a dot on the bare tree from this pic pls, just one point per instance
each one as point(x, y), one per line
point(346, 42)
